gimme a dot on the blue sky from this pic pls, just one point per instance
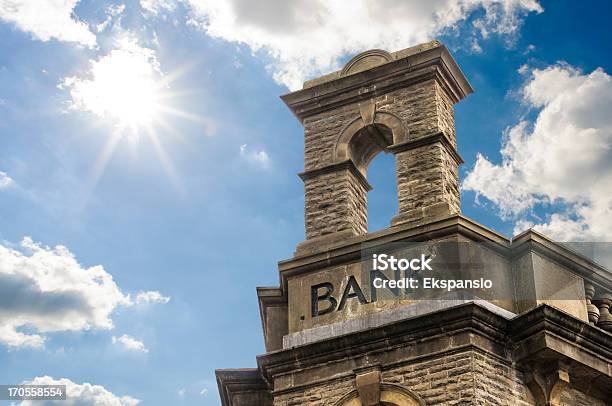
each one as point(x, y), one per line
point(195, 202)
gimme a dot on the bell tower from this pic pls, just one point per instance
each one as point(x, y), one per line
point(399, 103)
point(537, 333)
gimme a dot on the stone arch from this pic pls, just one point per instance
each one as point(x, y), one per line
point(365, 61)
point(390, 395)
point(362, 138)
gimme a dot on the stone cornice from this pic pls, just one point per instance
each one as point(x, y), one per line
point(387, 338)
point(349, 250)
point(438, 137)
point(531, 240)
point(269, 297)
point(553, 321)
point(434, 63)
point(234, 381)
point(582, 343)
point(335, 167)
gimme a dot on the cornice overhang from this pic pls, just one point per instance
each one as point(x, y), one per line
point(433, 63)
point(347, 164)
point(526, 339)
point(267, 297)
point(384, 339)
point(531, 240)
point(234, 381)
point(350, 249)
point(438, 137)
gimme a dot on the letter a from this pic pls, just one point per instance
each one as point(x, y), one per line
point(352, 290)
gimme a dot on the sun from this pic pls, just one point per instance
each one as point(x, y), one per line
point(127, 91)
point(124, 86)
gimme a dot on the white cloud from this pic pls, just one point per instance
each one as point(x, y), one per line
point(181, 392)
point(204, 392)
point(523, 69)
point(258, 157)
point(46, 290)
point(130, 343)
point(113, 13)
point(305, 38)
point(84, 394)
point(5, 180)
point(561, 162)
point(151, 297)
point(47, 19)
point(156, 6)
point(123, 85)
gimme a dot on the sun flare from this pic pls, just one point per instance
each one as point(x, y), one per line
point(127, 91)
point(125, 86)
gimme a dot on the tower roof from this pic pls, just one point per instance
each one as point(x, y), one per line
point(377, 71)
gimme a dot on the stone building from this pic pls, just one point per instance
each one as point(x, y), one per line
point(530, 342)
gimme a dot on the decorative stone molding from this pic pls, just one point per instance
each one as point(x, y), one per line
point(592, 310)
point(368, 386)
point(548, 386)
point(427, 140)
point(366, 60)
point(390, 395)
point(603, 302)
point(335, 167)
point(367, 135)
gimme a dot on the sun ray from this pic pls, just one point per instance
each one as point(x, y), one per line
point(127, 89)
point(99, 168)
point(166, 162)
point(184, 114)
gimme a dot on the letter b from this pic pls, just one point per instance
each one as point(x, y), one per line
point(315, 298)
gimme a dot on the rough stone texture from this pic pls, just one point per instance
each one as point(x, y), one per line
point(426, 176)
point(582, 399)
point(320, 134)
point(446, 116)
point(465, 378)
point(424, 108)
point(461, 379)
point(326, 394)
point(336, 201)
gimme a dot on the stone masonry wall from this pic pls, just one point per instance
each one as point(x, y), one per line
point(446, 116)
point(335, 201)
point(467, 378)
point(425, 176)
point(424, 108)
point(461, 379)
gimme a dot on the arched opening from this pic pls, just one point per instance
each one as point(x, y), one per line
point(368, 142)
point(382, 202)
point(367, 147)
point(390, 395)
point(357, 144)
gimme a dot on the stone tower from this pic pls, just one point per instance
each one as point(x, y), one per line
point(540, 336)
